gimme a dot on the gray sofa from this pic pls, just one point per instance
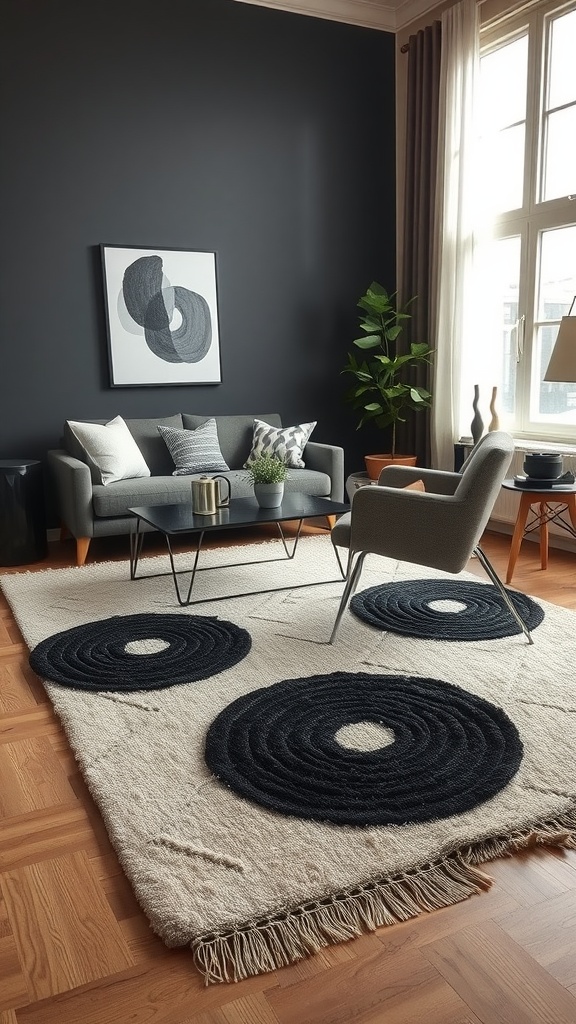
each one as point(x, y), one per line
point(89, 509)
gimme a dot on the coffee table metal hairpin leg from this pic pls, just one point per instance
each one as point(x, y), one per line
point(283, 538)
point(183, 602)
point(290, 554)
point(136, 542)
point(186, 601)
point(137, 537)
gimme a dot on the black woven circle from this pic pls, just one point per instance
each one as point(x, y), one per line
point(95, 656)
point(277, 746)
point(406, 607)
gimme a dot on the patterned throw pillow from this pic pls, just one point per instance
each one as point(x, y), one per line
point(286, 443)
point(194, 451)
point(111, 451)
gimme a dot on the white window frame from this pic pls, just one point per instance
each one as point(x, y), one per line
point(534, 216)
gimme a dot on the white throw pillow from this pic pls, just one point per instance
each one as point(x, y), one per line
point(111, 451)
point(285, 443)
point(194, 451)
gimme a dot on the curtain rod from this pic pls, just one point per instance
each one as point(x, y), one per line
point(516, 8)
point(406, 46)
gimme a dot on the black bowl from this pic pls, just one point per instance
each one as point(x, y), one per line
point(543, 465)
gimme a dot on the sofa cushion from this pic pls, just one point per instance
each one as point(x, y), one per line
point(234, 433)
point(144, 432)
point(159, 490)
point(72, 445)
point(116, 499)
point(110, 451)
point(308, 481)
point(194, 451)
point(283, 443)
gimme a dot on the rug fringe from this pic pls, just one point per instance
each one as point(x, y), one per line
point(281, 940)
point(559, 831)
point(284, 938)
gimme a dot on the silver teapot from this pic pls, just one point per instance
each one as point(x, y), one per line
point(206, 495)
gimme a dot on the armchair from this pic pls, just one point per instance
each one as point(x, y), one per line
point(439, 527)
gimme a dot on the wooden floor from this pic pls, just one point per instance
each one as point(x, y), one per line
point(75, 948)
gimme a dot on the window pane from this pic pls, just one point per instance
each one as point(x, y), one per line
point(553, 403)
point(503, 75)
point(506, 284)
point(557, 273)
point(560, 162)
point(503, 170)
point(492, 360)
point(562, 83)
point(503, 78)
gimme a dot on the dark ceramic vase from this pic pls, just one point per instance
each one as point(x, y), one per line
point(477, 425)
point(543, 465)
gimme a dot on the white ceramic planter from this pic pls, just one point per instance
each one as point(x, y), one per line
point(269, 495)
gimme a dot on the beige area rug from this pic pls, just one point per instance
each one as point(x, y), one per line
point(251, 889)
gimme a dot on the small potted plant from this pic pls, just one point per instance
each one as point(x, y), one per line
point(380, 392)
point(268, 473)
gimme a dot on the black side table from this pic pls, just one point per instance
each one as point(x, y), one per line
point(462, 450)
point(22, 515)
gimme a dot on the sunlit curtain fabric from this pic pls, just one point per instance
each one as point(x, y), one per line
point(418, 228)
point(455, 193)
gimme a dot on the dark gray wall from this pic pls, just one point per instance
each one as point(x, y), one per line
point(202, 124)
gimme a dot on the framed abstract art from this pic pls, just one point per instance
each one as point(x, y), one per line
point(161, 316)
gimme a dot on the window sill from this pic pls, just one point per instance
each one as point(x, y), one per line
point(523, 444)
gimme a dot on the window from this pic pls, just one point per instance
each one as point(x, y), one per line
point(525, 242)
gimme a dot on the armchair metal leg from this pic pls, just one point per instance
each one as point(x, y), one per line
point(353, 576)
point(491, 572)
point(343, 571)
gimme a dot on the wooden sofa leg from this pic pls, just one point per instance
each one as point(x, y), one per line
point(64, 532)
point(331, 520)
point(82, 545)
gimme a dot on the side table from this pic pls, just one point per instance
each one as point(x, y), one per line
point(22, 516)
point(356, 480)
point(551, 502)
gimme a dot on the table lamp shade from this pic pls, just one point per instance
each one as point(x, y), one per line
point(562, 365)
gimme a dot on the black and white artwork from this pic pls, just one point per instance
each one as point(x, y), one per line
point(162, 316)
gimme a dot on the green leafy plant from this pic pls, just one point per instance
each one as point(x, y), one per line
point(267, 469)
point(380, 392)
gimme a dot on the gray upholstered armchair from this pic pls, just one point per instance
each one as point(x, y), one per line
point(439, 527)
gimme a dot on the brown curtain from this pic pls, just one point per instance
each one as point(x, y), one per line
point(418, 227)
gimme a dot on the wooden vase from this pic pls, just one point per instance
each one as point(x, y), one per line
point(495, 421)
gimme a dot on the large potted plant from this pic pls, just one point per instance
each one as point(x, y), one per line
point(381, 392)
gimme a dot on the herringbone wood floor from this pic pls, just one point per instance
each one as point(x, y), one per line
point(76, 949)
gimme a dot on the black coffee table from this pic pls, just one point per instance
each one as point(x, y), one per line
point(172, 520)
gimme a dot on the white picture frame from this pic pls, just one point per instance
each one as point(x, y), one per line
point(161, 316)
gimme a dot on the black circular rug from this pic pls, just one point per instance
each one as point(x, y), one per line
point(140, 652)
point(408, 607)
point(360, 749)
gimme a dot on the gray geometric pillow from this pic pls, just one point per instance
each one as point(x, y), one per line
point(194, 451)
point(286, 443)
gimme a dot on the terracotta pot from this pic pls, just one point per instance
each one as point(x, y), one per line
point(375, 463)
